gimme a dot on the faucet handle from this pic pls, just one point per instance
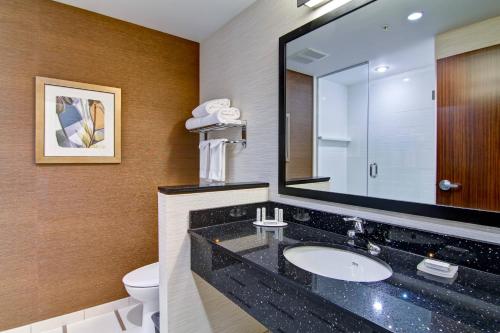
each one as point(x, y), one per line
point(373, 249)
point(358, 223)
point(359, 226)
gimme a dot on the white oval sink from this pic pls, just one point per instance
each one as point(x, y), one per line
point(337, 263)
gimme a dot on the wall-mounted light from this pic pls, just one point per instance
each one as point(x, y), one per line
point(312, 3)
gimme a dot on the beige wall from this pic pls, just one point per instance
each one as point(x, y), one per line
point(468, 38)
point(240, 61)
point(68, 233)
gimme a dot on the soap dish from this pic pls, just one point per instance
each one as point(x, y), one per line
point(448, 274)
point(275, 224)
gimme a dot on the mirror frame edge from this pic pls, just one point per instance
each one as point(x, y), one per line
point(472, 216)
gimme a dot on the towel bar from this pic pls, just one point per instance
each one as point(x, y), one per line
point(243, 142)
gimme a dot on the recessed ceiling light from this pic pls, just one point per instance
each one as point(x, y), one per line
point(406, 79)
point(381, 69)
point(415, 16)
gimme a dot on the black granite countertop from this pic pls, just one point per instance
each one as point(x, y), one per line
point(406, 302)
point(198, 188)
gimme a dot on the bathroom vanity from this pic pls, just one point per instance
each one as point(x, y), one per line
point(247, 264)
point(384, 105)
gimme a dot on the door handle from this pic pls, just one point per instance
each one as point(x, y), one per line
point(373, 170)
point(287, 138)
point(446, 185)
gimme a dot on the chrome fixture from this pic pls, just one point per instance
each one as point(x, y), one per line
point(360, 229)
point(446, 185)
point(358, 225)
point(373, 249)
point(287, 143)
point(373, 170)
point(219, 127)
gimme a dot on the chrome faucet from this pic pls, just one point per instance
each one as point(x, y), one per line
point(359, 228)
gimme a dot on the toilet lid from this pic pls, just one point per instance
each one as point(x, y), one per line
point(143, 277)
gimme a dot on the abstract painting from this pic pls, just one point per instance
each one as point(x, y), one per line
point(77, 122)
point(81, 121)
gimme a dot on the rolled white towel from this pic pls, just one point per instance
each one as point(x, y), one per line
point(229, 113)
point(211, 119)
point(210, 107)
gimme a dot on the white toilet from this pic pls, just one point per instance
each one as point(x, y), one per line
point(143, 284)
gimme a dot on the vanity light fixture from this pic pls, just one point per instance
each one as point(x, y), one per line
point(381, 69)
point(312, 3)
point(415, 16)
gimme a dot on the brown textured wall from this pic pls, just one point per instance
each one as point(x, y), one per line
point(300, 107)
point(68, 233)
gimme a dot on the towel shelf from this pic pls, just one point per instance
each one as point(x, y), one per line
point(219, 127)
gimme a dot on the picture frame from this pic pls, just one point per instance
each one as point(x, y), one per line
point(77, 122)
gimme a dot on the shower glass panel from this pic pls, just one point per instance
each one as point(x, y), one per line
point(377, 136)
point(402, 136)
point(342, 129)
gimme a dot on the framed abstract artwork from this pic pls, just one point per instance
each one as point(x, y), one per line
point(77, 122)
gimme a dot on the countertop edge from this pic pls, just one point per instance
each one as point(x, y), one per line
point(197, 188)
point(307, 180)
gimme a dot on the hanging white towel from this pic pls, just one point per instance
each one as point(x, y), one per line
point(204, 159)
point(217, 160)
point(210, 107)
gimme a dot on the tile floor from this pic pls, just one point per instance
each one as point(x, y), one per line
point(131, 318)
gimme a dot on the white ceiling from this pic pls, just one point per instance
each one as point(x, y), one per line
point(349, 76)
point(359, 37)
point(190, 19)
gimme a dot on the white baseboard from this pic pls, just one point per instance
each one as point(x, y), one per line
point(70, 318)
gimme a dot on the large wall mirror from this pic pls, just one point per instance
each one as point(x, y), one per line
point(395, 105)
